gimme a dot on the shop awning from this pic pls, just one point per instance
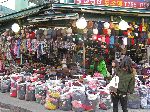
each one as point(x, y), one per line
point(57, 16)
point(102, 9)
point(23, 13)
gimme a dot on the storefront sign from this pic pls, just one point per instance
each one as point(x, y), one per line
point(118, 3)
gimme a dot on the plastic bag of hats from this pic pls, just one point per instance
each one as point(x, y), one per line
point(5, 85)
point(91, 101)
point(52, 98)
point(30, 92)
point(21, 90)
point(105, 100)
point(65, 99)
point(40, 92)
point(78, 97)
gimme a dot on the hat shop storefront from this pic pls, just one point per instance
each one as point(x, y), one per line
point(59, 55)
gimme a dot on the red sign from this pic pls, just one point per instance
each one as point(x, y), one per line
point(118, 3)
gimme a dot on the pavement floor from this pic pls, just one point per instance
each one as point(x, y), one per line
point(10, 104)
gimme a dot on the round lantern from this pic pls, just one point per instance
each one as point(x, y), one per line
point(123, 25)
point(95, 31)
point(15, 27)
point(106, 25)
point(81, 23)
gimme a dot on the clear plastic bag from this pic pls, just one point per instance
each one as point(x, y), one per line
point(21, 91)
point(30, 92)
point(52, 99)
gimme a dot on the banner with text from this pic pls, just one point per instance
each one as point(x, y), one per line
point(118, 3)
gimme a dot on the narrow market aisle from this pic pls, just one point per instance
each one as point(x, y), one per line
point(34, 107)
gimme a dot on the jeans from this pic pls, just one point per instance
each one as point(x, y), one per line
point(123, 100)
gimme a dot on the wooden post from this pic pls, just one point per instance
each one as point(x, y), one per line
point(84, 51)
point(111, 18)
point(148, 55)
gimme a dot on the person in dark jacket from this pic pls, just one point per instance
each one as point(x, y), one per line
point(125, 86)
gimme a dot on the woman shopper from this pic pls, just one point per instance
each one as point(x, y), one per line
point(125, 85)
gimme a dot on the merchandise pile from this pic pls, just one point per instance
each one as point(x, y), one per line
point(59, 93)
point(83, 94)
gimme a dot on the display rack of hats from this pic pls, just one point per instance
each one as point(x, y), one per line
point(39, 45)
point(105, 38)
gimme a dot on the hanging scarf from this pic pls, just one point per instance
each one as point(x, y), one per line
point(1, 65)
point(29, 45)
point(15, 48)
point(18, 47)
point(34, 45)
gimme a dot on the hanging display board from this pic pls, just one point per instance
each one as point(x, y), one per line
point(118, 3)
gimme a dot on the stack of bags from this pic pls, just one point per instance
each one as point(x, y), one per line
point(144, 94)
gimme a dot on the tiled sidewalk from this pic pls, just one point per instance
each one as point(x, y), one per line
point(8, 101)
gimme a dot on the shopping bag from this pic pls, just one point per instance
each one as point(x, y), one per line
point(40, 93)
point(92, 99)
point(21, 91)
point(105, 99)
point(30, 92)
point(65, 99)
point(134, 101)
point(78, 98)
point(5, 85)
point(52, 98)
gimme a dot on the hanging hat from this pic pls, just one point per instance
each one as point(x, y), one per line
point(95, 25)
point(32, 35)
point(45, 32)
point(85, 30)
point(90, 24)
point(54, 36)
point(95, 31)
point(100, 25)
point(74, 23)
point(112, 25)
point(49, 32)
point(64, 32)
point(59, 34)
point(27, 35)
point(69, 31)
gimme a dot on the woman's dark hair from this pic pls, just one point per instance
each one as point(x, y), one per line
point(126, 64)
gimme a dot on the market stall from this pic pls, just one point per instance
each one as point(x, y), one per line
point(56, 64)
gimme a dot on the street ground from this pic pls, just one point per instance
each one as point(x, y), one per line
point(9, 104)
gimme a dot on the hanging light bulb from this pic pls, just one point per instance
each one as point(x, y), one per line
point(123, 25)
point(106, 25)
point(81, 23)
point(15, 27)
